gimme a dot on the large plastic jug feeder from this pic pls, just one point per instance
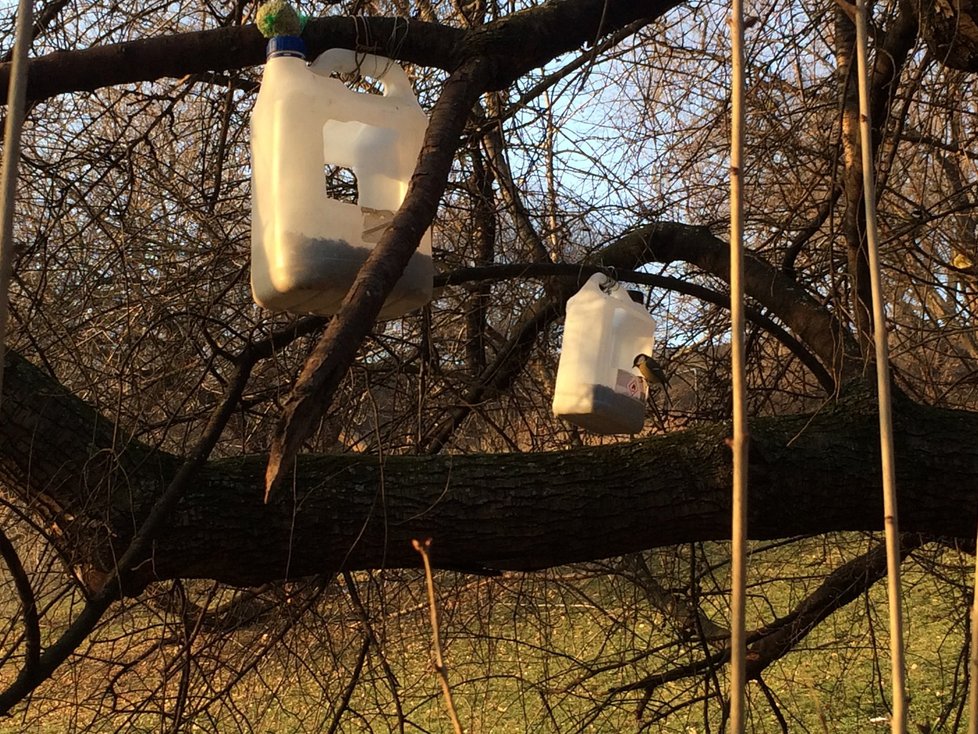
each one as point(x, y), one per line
point(597, 387)
point(306, 247)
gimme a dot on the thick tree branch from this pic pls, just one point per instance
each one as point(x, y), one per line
point(228, 49)
point(575, 275)
point(501, 373)
point(119, 577)
point(673, 241)
point(526, 511)
point(844, 585)
point(515, 45)
point(950, 30)
point(770, 643)
point(818, 329)
point(530, 39)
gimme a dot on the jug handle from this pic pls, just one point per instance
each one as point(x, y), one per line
point(389, 73)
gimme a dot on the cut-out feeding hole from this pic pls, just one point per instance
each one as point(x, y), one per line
point(369, 85)
point(341, 184)
point(360, 83)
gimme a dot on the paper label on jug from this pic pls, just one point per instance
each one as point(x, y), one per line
point(631, 385)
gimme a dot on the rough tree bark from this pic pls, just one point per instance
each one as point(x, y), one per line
point(810, 474)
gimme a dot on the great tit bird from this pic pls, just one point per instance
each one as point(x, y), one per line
point(651, 370)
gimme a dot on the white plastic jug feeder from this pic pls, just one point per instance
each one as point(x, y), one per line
point(306, 247)
point(597, 387)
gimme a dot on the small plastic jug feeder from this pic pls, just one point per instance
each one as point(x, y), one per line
point(306, 247)
point(597, 387)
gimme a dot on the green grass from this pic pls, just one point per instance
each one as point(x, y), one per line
point(535, 652)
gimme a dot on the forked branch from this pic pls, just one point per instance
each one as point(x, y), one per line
point(770, 643)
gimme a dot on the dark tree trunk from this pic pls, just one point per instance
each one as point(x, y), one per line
point(809, 474)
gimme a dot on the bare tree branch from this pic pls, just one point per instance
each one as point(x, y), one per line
point(334, 353)
point(28, 606)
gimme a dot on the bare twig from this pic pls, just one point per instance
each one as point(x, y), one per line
point(348, 692)
point(440, 670)
point(123, 576)
point(32, 630)
point(369, 629)
point(771, 642)
point(773, 703)
point(973, 661)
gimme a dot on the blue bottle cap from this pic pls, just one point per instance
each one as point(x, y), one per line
point(285, 46)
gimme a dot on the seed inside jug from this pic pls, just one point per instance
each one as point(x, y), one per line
point(319, 264)
point(611, 412)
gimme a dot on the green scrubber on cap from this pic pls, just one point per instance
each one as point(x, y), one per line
point(278, 18)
